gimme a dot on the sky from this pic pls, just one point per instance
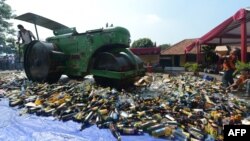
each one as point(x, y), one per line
point(163, 21)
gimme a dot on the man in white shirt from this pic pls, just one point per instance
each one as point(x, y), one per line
point(25, 35)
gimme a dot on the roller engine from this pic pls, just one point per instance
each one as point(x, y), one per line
point(101, 52)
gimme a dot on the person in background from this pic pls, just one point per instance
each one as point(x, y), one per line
point(247, 87)
point(12, 62)
point(17, 63)
point(229, 67)
point(239, 84)
point(5, 62)
point(9, 62)
point(1, 63)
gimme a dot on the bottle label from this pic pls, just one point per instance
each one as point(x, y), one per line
point(204, 121)
point(103, 111)
point(128, 131)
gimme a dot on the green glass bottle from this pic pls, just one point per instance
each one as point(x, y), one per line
point(114, 131)
point(87, 119)
point(145, 125)
point(164, 131)
point(130, 131)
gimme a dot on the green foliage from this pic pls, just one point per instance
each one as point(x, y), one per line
point(142, 43)
point(7, 49)
point(208, 48)
point(210, 55)
point(11, 40)
point(193, 67)
point(240, 66)
point(6, 29)
point(165, 46)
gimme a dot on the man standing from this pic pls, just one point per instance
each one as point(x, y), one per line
point(25, 35)
point(229, 68)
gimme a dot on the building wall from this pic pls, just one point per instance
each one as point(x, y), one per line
point(182, 60)
point(191, 58)
point(166, 60)
point(152, 59)
point(171, 60)
point(178, 60)
point(248, 57)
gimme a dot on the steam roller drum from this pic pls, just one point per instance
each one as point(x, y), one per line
point(113, 62)
point(38, 64)
point(119, 62)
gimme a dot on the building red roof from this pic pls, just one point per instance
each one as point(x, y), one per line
point(146, 51)
point(179, 48)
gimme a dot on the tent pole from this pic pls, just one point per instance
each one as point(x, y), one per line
point(243, 29)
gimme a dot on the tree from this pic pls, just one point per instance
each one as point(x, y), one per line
point(11, 40)
point(143, 43)
point(165, 46)
point(210, 55)
point(6, 29)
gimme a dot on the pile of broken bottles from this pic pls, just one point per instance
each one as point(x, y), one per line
point(179, 107)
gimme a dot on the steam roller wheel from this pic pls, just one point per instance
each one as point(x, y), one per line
point(118, 62)
point(115, 83)
point(37, 63)
point(75, 77)
point(113, 62)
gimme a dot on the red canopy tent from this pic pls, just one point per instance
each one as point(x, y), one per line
point(232, 31)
